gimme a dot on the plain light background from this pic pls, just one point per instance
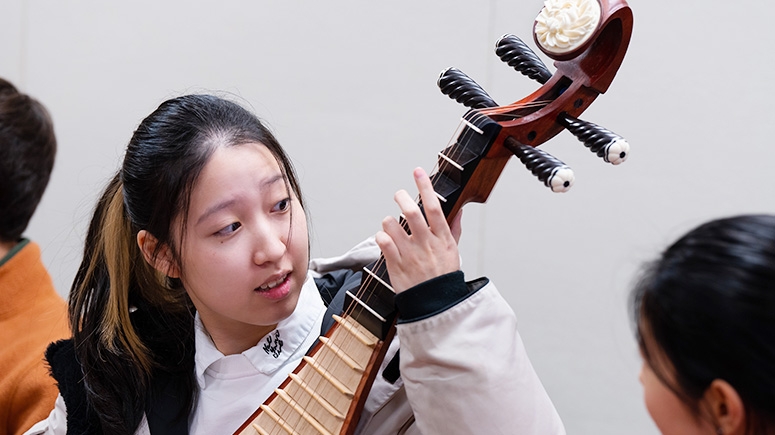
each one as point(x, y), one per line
point(349, 89)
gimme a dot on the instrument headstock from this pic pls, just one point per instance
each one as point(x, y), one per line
point(587, 39)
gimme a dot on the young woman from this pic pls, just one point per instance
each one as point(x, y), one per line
point(705, 314)
point(194, 300)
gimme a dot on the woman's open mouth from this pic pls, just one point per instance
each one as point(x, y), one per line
point(276, 289)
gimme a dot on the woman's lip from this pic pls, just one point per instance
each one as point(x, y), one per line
point(279, 291)
point(274, 281)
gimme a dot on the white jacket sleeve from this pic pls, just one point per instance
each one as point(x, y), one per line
point(465, 371)
point(55, 424)
point(463, 365)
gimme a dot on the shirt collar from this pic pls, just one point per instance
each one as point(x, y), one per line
point(275, 348)
point(16, 248)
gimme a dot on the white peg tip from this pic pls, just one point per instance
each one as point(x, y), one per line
point(617, 151)
point(561, 179)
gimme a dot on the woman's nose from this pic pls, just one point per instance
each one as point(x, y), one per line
point(269, 246)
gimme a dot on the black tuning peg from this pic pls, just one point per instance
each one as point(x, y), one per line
point(606, 144)
point(518, 55)
point(555, 174)
point(463, 89)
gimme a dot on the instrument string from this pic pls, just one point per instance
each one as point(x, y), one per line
point(458, 146)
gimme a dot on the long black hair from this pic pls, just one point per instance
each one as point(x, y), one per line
point(131, 324)
point(708, 303)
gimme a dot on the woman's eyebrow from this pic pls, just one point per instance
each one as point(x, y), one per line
point(229, 202)
point(214, 209)
point(271, 180)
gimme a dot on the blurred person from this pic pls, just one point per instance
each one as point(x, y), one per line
point(705, 321)
point(32, 314)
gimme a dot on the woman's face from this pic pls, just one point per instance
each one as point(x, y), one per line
point(671, 414)
point(245, 248)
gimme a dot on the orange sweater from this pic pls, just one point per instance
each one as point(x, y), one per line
point(32, 315)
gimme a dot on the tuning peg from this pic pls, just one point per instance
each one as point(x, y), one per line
point(555, 174)
point(518, 55)
point(606, 144)
point(463, 89)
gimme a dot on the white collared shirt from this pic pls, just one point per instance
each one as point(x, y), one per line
point(232, 387)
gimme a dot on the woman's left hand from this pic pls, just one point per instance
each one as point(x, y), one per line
point(431, 248)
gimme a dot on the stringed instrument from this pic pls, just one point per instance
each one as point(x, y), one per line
point(587, 39)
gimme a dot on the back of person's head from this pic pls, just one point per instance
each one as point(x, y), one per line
point(162, 163)
point(708, 306)
point(27, 149)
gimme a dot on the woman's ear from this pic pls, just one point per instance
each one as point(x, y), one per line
point(163, 260)
point(726, 407)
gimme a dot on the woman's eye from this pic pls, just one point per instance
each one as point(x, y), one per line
point(229, 229)
point(283, 205)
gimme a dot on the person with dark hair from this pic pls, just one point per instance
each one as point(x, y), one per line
point(32, 314)
point(195, 298)
point(704, 314)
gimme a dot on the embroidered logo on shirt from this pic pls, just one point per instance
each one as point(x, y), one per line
point(273, 346)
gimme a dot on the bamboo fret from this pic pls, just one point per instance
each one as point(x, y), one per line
point(317, 396)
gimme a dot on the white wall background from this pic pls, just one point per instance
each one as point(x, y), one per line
point(349, 88)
